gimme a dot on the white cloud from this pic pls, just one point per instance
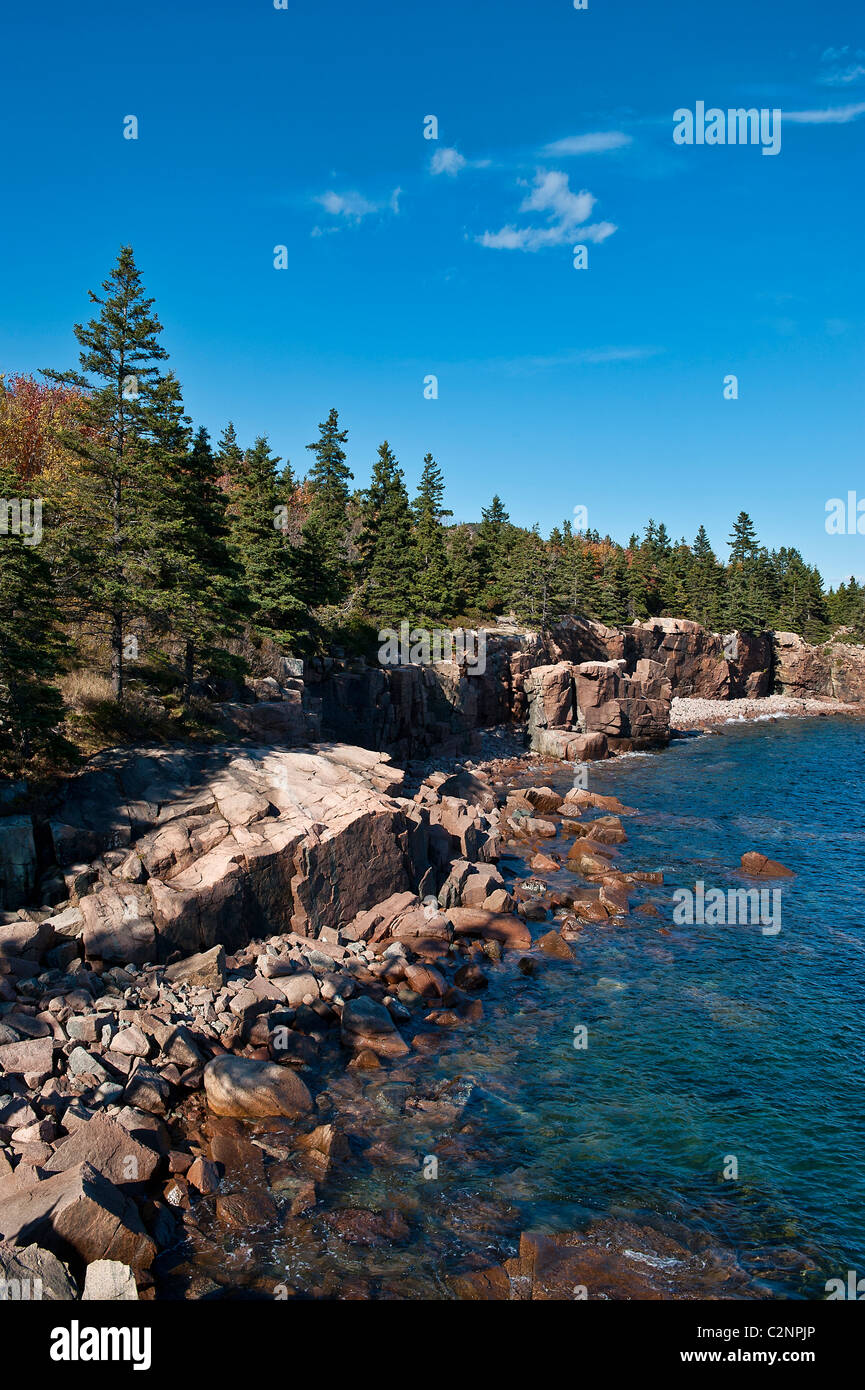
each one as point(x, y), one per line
point(354, 207)
point(853, 60)
point(447, 161)
point(566, 212)
point(552, 194)
point(597, 143)
point(833, 115)
point(587, 357)
point(844, 77)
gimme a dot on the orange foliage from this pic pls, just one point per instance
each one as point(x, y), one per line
point(32, 414)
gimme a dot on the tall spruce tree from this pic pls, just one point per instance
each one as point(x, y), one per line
point(198, 590)
point(432, 591)
point(387, 558)
point(744, 606)
point(613, 586)
point(705, 583)
point(258, 541)
point(495, 555)
point(33, 648)
point(228, 459)
point(465, 569)
point(120, 350)
point(534, 576)
point(327, 525)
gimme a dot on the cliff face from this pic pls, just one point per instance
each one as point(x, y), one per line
point(410, 710)
point(835, 670)
point(695, 661)
point(580, 711)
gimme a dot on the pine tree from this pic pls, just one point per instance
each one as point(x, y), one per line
point(495, 537)
point(613, 593)
point(705, 584)
point(588, 589)
point(744, 607)
point(228, 458)
point(534, 579)
point(636, 583)
point(33, 649)
point(326, 528)
point(675, 570)
point(432, 591)
point(258, 542)
point(465, 570)
point(120, 350)
point(199, 596)
point(743, 540)
point(387, 555)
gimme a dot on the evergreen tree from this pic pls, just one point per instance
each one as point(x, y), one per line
point(588, 589)
point(432, 595)
point(636, 583)
point(228, 460)
point(675, 572)
point(744, 608)
point(464, 566)
point(387, 559)
point(743, 540)
point(198, 585)
point(118, 359)
point(120, 350)
point(268, 564)
point(33, 649)
point(534, 580)
point(495, 537)
point(326, 528)
point(613, 593)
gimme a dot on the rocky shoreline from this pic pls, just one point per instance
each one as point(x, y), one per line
point(220, 969)
point(696, 713)
point(155, 1115)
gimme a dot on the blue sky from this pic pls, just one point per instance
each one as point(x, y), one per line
point(558, 388)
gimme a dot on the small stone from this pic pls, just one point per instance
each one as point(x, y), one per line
point(552, 944)
point(109, 1281)
point(203, 1175)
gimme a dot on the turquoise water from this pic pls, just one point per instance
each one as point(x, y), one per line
point(703, 1043)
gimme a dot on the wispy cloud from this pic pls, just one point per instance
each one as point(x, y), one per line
point(448, 160)
point(845, 66)
point(598, 142)
point(353, 207)
point(586, 357)
point(566, 212)
point(832, 115)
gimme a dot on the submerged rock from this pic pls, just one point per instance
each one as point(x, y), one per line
point(758, 866)
point(367, 1026)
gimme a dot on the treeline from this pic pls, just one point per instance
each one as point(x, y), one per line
point(163, 551)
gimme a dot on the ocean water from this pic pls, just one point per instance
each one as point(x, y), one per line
point(705, 1044)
